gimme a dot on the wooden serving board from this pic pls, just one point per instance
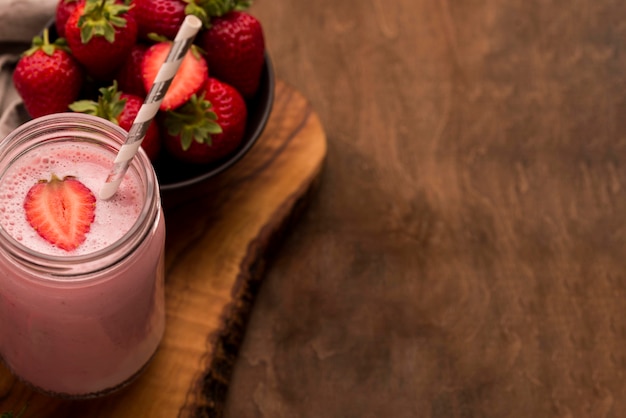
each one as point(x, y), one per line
point(217, 238)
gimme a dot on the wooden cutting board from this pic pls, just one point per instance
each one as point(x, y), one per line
point(218, 235)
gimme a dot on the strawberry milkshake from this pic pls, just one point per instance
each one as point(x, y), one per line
point(81, 279)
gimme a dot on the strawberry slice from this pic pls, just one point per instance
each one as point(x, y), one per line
point(189, 79)
point(61, 211)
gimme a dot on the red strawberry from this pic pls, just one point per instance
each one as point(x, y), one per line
point(209, 127)
point(63, 11)
point(189, 79)
point(129, 77)
point(100, 34)
point(162, 17)
point(61, 211)
point(121, 109)
point(235, 47)
point(47, 77)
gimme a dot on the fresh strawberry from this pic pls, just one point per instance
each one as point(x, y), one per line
point(63, 11)
point(235, 48)
point(100, 34)
point(61, 211)
point(191, 76)
point(121, 109)
point(209, 127)
point(128, 76)
point(162, 17)
point(47, 77)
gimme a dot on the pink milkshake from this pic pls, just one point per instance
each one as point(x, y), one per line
point(84, 321)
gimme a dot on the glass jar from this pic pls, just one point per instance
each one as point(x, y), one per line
point(81, 323)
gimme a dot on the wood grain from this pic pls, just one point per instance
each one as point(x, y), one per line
point(465, 256)
point(217, 239)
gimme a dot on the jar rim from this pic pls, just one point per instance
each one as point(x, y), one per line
point(101, 132)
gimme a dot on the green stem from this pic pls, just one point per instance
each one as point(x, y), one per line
point(46, 37)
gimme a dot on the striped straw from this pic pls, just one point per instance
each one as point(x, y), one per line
point(184, 38)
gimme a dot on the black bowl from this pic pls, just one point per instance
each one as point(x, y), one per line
point(174, 175)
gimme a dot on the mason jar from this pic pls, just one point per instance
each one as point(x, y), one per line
point(84, 322)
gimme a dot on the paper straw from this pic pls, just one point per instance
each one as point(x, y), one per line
point(184, 38)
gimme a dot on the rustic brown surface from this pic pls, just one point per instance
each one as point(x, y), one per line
point(466, 253)
point(215, 250)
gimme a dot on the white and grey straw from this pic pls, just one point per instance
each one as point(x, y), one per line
point(184, 38)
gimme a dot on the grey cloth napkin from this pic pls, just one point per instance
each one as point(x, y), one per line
point(20, 20)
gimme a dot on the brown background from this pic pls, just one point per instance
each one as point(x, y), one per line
point(464, 255)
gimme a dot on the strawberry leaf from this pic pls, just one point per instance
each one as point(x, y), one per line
point(86, 32)
point(88, 107)
point(217, 7)
point(101, 18)
point(43, 43)
point(194, 121)
point(109, 105)
point(205, 9)
point(155, 37)
point(242, 4)
point(48, 49)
